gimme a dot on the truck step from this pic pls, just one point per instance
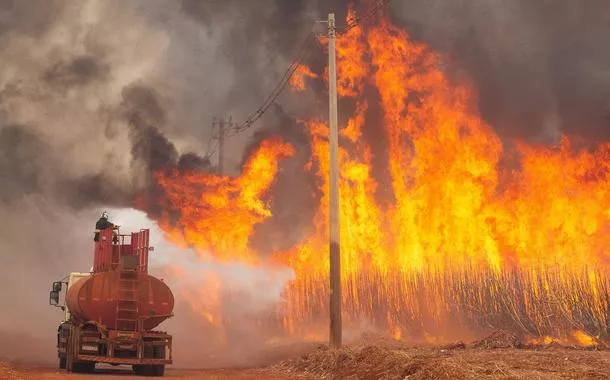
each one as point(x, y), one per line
point(127, 311)
point(128, 307)
point(127, 320)
point(127, 304)
point(128, 315)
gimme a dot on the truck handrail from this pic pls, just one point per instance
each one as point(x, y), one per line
point(156, 316)
point(112, 247)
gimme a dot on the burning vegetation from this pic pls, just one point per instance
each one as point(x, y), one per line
point(446, 229)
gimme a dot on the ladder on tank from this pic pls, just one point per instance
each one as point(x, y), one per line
point(127, 309)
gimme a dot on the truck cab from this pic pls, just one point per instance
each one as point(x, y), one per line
point(64, 326)
point(58, 286)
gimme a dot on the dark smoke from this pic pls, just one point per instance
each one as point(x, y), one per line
point(20, 170)
point(150, 149)
point(193, 162)
point(16, 16)
point(294, 198)
point(78, 71)
point(261, 40)
point(537, 65)
point(547, 74)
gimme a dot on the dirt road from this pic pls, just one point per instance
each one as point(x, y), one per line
point(42, 373)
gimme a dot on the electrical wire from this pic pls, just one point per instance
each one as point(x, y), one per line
point(211, 149)
point(357, 20)
point(209, 152)
point(288, 74)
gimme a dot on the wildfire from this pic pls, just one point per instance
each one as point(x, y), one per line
point(459, 228)
point(576, 337)
point(216, 214)
point(297, 81)
point(583, 339)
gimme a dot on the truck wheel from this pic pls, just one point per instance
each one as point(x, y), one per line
point(140, 370)
point(150, 370)
point(158, 370)
point(70, 365)
point(84, 367)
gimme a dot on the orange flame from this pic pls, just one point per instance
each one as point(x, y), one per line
point(217, 214)
point(584, 339)
point(352, 67)
point(297, 80)
point(575, 337)
point(473, 233)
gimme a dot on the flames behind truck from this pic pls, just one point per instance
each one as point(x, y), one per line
point(112, 312)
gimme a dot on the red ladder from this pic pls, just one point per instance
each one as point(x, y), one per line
point(127, 308)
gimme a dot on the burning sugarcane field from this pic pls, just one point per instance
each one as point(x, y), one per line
point(283, 189)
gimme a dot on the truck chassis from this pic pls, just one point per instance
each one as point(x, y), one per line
point(80, 347)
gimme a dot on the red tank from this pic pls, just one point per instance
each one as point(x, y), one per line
point(120, 294)
point(96, 298)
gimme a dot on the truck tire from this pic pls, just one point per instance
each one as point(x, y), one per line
point(84, 367)
point(158, 370)
point(140, 370)
point(70, 351)
point(155, 370)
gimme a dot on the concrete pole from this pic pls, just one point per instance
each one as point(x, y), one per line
point(221, 146)
point(335, 251)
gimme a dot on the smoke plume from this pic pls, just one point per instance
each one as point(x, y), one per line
point(537, 66)
point(128, 89)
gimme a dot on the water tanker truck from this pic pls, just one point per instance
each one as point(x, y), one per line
point(111, 313)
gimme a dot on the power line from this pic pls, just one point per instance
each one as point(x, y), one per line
point(292, 68)
point(357, 20)
point(354, 21)
point(209, 152)
point(278, 89)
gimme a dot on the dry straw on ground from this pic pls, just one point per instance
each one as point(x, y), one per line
point(497, 356)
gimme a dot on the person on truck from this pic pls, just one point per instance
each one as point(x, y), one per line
point(102, 224)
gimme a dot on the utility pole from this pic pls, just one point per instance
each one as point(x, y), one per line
point(219, 131)
point(221, 145)
point(335, 248)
